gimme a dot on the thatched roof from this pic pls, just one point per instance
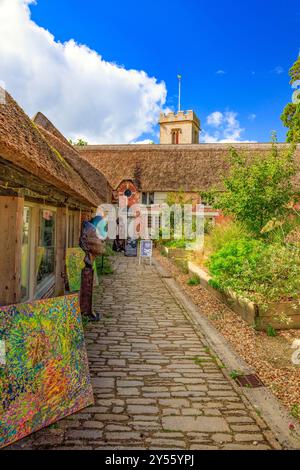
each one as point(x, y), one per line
point(168, 167)
point(94, 178)
point(42, 121)
point(23, 145)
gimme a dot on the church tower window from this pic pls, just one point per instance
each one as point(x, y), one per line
point(175, 136)
point(181, 128)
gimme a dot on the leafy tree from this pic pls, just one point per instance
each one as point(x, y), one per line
point(258, 188)
point(291, 113)
point(79, 143)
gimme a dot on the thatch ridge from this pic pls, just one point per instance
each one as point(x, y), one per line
point(22, 144)
point(93, 177)
point(196, 167)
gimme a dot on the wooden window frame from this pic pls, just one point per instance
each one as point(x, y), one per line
point(35, 291)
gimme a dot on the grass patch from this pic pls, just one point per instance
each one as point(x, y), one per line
point(234, 374)
point(182, 264)
point(193, 281)
point(201, 360)
point(103, 265)
point(85, 321)
point(271, 331)
point(295, 410)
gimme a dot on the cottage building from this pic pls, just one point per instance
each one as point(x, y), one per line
point(178, 163)
point(45, 191)
point(151, 172)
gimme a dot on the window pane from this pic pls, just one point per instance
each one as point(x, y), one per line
point(25, 262)
point(46, 248)
point(151, 198)
point(144, 198)
point(71, 231)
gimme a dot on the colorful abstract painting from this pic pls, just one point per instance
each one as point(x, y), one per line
point(44, 372)
point(74, 264)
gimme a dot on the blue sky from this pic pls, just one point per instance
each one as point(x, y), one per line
point(234, 56)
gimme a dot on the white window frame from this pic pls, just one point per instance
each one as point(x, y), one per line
point(147, 193)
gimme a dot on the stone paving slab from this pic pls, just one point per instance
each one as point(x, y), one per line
point(156, 384)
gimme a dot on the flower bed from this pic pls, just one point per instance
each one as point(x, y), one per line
point(253, 314)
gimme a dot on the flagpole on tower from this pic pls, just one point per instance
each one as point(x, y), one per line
point(179, 92)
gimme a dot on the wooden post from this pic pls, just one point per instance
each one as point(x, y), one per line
point(61, 245)
point(11, 217)
point(33, 243)
point(77, 227)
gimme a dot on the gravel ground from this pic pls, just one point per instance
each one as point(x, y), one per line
point(270, 356)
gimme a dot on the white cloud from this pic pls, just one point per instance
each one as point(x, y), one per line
point(278, 70)
point(84, 95)
point(142, 142)
point(252, 117)
point(220, 72)
point(223, 127)
point(215, 119)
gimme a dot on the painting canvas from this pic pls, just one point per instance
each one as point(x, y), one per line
point(74, 264)
point(44, 372)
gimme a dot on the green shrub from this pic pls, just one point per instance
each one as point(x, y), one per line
point(106, 268)
point(260, 272)
point(221, 234)
point(108, 251)
point(182, 264)
point(277, 275)
point(208, 226)
point(271, 331)
point(193, 281)
point(235, 258)
point(175, 243)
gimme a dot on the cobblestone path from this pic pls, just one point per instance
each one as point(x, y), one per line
point(156, 384)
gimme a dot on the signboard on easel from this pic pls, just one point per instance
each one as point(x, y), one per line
point(131, 247)
point(146, 249)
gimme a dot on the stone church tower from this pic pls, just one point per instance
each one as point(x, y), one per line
point(179, 128)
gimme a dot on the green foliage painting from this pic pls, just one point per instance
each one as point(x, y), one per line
point(43, 366)
point(75, 263)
